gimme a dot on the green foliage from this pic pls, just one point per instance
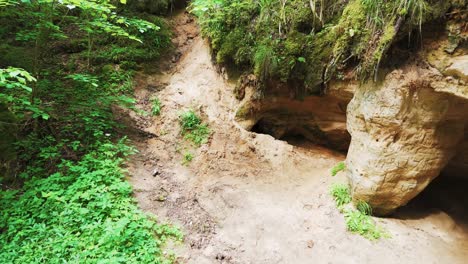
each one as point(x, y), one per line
point(364, 208)
point(189, 121)
point(193, 129)
point(188, 157)
point(265, 62)
point(155, 106)
point(340, 166)
point(16, 94)
point(123, 52)
point(362, 224)
point(158, 7)
point(341, 195)
point(274, 38)
point(83, 212)
point(74, 204)
point(199, 135)
point(357, 221)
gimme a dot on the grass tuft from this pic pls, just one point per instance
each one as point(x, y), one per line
point(340, 166)
point(364, 207)
point(155, 107)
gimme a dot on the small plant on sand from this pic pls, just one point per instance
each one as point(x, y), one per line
point(364, 207)
point(363, 224)
point(340, 166)
point(193, 129)
point(188, 157)
point(189, 120)
point(155, 107)
point(357, 221)
point(341, 195)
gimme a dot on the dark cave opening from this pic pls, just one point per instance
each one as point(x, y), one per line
point(296, 139)
point(260, 127)
point(291, 134)
point(445, 194)
point(301, 135)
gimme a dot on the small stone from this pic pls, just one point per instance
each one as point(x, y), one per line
point(310, 244)
point(156, 172)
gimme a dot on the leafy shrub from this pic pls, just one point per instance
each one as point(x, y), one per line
point(73, 204)
point(199, 135)
point(189, 121)
point(193, 129)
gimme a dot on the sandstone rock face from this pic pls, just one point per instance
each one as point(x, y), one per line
point(404, 132)
point(459, 68)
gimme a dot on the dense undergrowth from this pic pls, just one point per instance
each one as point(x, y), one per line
point(64, 199)
point(306, 43)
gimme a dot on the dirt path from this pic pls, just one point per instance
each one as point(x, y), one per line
point(248, 198)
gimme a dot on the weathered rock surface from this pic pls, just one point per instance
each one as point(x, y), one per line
point(459, 68)
point(404, 132)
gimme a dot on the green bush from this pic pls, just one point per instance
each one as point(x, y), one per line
point(69, 201)
point(193, 129)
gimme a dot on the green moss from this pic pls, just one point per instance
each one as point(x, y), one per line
point(230, 49)
point(349, 33)
point(244, 111)
point(265, 61)
point(306, 47)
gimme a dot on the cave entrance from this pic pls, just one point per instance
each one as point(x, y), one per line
point(445, 200)
point(297, 139)
point(301, 134)
point(261, 127)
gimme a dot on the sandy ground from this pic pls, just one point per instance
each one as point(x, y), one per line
point(249, 198)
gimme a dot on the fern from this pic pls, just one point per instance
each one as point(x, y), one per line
point(360, 223)
point(341, 195)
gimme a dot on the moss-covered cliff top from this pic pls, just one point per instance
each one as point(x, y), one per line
point(308, 42)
